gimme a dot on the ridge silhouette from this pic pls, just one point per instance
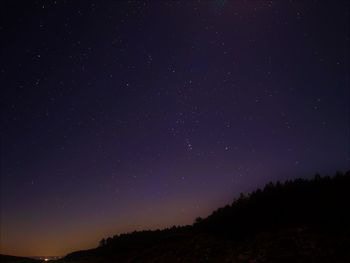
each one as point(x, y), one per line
point(296, 221)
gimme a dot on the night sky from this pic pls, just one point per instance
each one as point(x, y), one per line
point(122, 116)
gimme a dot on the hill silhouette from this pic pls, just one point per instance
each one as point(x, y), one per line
point(295, 221)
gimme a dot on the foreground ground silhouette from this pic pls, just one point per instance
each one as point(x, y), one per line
point(297, 221)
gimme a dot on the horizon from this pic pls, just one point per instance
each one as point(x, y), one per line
point(246, 195)
point(52, 257)
point(123, 116)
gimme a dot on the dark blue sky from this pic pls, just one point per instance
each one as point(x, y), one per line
point(133, 115)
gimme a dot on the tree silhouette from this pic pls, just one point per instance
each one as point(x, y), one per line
point(102, 242)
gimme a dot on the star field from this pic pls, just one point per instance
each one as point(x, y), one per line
point(122, 116)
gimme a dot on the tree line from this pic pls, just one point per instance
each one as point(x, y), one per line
point(319, 202)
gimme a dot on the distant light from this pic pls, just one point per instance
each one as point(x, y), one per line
point(46, 259)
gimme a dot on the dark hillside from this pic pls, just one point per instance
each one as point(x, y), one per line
point(295, 221)
point(321, 202)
